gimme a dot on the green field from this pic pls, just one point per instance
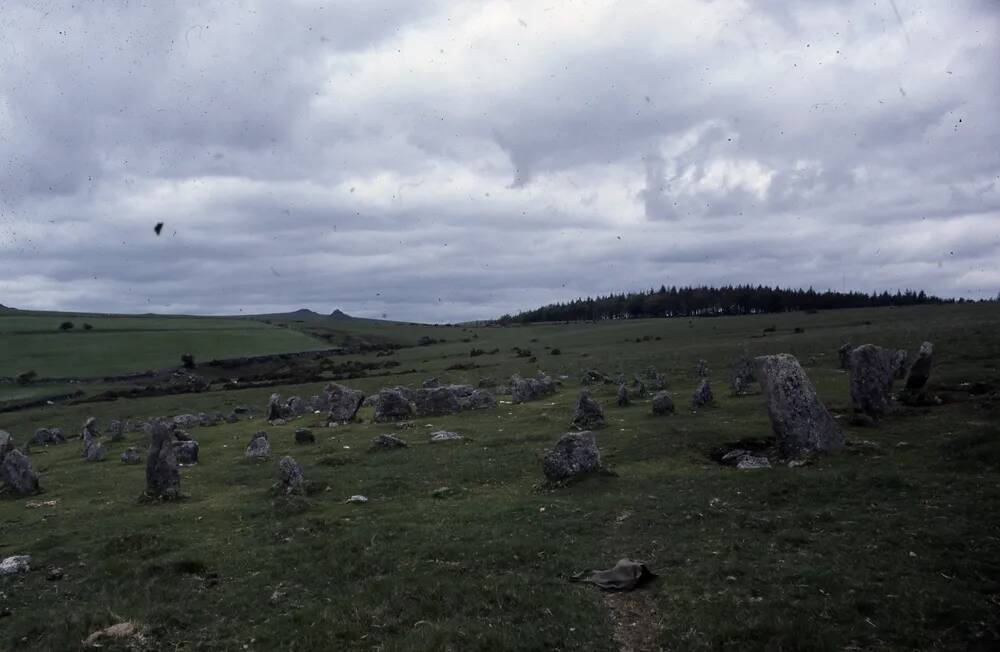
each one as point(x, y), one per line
point(892, 546)
point(119, 345)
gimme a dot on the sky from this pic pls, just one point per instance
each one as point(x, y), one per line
point(451, 161)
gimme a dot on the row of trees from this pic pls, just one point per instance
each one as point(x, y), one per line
point(710, 301)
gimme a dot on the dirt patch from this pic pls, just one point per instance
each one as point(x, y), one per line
point(636, 621)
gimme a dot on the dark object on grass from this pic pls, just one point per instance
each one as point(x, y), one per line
point(66, 325)
point(623, 576)
point(158, 228)
point(392, 405)
point(844, 353)
point(920, 372)
point(623, 400)
point(187, 359)
point(662, 404)
point(304, 436)
point(186, 452)
point(259, 446)
point(575, 454)
point(387, 442)
point(290, 475)
point(17, 474)
point(163, 479)
point(587, 413)
point(703, 395)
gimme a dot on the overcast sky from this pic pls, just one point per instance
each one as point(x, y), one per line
point(459, 160)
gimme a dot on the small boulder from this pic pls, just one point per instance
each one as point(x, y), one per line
point(89, 430)
point(844, 354)
point(186, 421)
point(430, 383)
point(662, 404)
point(186, 452)
point(388, 442)
point(93, 451)
point(131, 456)
point(747, 462)
point(623, 399)
point(703, 395)
point(344, 403)
point(575, 454)
point(116, 430)
point(479, 399)
point(48, 437)
point(304, 436)
point(259, 446)
point(15, 565)
point(276, 408)
point(639, 388)
point(444, 435)
point(436, 400)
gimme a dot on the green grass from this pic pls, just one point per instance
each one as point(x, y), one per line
point(118, 345)
point(893, 548)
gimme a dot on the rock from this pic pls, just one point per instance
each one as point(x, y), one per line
point(657, 381)
point(575, 453)
point(899, 359)
point(93, 451)
point(54, 574)
point(388, 442)
point(702, 369)
point(639, 388)
point(594, 377)
point(392, 405)
point(436, 400)
point(703, 395)
point(276, 409)
point(844, 353)
point(441, 492)
point(186, 421)
point(163, 479)
point(89, 430)
point(623, 400)
point(47, 437)
point(444, 435)
point(290, 475)
point(357, 499)
point(871, 379)
point(6, 444)
point(479, 399)
point(116, 430)
point(662, 404)
point(741, 375)
point(131, 456)
point(296, 407)
point(17, 474)
point(304, 436)
point(182, 435)
point(259, 446)
point(344, 403)
point(318, 403)
point(747, 462)
point(920, 372)
point(242, 409)
point(278, 422)
point(430, 383)
point(523, 390)
point(587, 413)
point(801, 423)
point(186, 452)
point(184, 381)
point(232, 417)
point(15, 565)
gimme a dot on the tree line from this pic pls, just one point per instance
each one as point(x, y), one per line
point(713, 301)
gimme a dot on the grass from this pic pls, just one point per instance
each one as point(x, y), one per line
point(893, 547)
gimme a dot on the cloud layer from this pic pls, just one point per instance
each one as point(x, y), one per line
point(452, 161)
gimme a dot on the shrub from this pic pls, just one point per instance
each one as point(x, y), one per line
point(555, 352)
point(66, 325)
point(476, 352)
point(87, 327)
point(187, 359)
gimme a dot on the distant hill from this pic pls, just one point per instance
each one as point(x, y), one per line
point(340, 314)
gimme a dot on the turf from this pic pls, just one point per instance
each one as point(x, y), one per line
point(893, 545)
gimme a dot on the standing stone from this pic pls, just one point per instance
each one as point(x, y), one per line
point(89, 430)
point(304, 436)
point(920, 372)
point(344, 403)
point(844, 353)
point(662, 404)
point(703, 395)
point(17, 474)
point(290, 475)
point(131, 456)
point(899, 360)
point(639, 388)
point(702, 369)
point(523, 390)
point(479, 399)
point(623, 396)
point(186, 452)
point(741, 375)
point(657, 381)
point(388, 442)
point(392, 405)
point(296, 407)
point(6, 444)
point(259, 446)
point(800, 422)
point(276, 409)
point(587, 413)
point(871, 379)
point(574, 454)
point(93, 451)
point(163, 479)
point(436, 400)
point(116, 429)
